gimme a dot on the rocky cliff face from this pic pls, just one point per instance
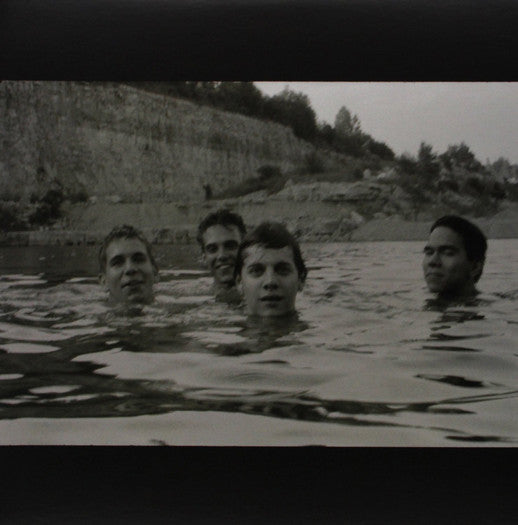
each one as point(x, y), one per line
point(114, 140)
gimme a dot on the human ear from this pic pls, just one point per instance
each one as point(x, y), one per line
point(476, 269)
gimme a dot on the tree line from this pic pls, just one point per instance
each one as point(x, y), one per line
point(290, 108)
point(293, 109)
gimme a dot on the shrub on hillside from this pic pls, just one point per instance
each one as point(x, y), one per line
point(497, 190)
point(269, 172)
point(474, 185)
point(350, 145)
point(511, 191)
point(411, 184)
point(270, 184)
point(49, 208)
point(357, 174)
point(9, 218)
point(447, 184)
point(428, 165)
point(79, 196)
point(460, 155)
point(380, 149)
point(407, 163)
point(313, 163)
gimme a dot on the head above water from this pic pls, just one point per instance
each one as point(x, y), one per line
point(270, 270)
point(272, 235)
point(475, 242)
point(128, 269)
point(454, 257)
point(219, 236)
point(221, 217)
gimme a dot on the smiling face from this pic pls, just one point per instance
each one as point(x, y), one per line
point(220, 246)
point(269, 281)
point(447, 269)
point(129, 274)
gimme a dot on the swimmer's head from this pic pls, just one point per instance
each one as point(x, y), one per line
point(454, 257)
point(128, 269)
point(270, 270)
point(219, 236)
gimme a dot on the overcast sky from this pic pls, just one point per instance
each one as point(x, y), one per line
point(484, 115)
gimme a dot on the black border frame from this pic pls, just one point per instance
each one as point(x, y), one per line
point(259, 39)
point(414, 40)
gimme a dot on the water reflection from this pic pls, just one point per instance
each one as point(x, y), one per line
point(362, 361)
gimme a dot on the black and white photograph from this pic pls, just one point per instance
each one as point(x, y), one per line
point(259, 263)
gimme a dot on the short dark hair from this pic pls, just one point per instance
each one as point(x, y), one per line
point(272, 235)
point(124, 232)
point(225, 218)
point(475, 242)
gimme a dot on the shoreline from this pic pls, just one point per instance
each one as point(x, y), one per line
point(376, 230)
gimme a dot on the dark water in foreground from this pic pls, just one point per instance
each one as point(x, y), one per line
point(368, 362)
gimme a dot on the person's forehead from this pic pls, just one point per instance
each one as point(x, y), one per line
point(260, 254)
point(221, 233)
point(443, 235)
point(125, 247)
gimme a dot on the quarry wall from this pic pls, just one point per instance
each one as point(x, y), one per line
point(108, 139)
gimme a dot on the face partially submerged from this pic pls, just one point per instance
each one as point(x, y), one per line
point(447, 269)
point(269, 280)
point(220, 246)
point(129, 274)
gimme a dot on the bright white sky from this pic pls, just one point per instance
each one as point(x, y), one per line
point(484, 115)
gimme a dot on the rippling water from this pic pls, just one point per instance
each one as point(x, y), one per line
point(371, 360)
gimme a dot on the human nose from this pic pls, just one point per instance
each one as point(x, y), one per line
point(270, 280)
point(129, 267)
point(434, 259)
point(222, 253)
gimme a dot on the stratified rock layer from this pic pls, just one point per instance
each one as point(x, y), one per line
point(114, 141)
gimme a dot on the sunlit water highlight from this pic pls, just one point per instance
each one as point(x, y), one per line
point(369, 361)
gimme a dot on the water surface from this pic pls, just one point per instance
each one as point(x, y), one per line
point(370, 360)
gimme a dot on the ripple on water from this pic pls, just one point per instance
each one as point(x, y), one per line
point(216, 337)
point(54, 389)
point(371, 357)
point(27, 348)
point(30, 333)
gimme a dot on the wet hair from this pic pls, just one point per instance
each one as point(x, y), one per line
point(271, 235)
point(124, 232)
point(225, 218)
point(475, 242)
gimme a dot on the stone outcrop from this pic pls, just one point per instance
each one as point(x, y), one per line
point(119, 143)
point(143, 159)
point(339, 192)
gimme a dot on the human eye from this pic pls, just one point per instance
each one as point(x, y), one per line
point(231, 245)
point(255, 270)
point(118, 260)
point(139, 257)
point(284, 269)
point(448, 251)
point(211, 248)
point(428, 250)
